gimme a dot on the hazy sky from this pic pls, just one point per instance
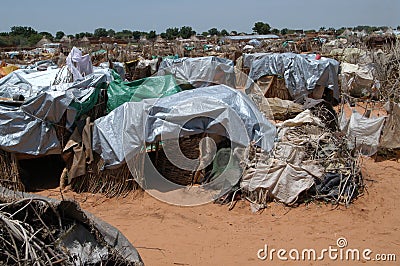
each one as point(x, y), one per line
point(73, 16)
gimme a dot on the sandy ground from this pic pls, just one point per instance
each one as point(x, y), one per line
point(213, 235)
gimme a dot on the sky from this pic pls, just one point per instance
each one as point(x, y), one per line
point(74, 16)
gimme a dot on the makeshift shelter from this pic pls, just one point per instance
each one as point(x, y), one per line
point(200, 71)
point(358, 80)
point(38, 125)
point(123, 135)
point(309, 160)
point(390, 138)
point(42, 42)
point(58, 232)
point(303, 73)
point(363, 133)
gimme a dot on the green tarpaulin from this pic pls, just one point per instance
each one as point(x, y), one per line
point(120, 91)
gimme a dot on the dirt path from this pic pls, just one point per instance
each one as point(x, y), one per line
point(213, 235)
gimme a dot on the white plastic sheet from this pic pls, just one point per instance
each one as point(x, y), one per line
point(363, 133)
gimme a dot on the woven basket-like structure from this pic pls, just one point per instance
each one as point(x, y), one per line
point(190, 148)
point(110, 182)
point(9, 171)
point(273, 86)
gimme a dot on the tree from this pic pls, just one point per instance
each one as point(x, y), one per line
point(59, 35)
point(275, 31)
point(186, 32)
point(34, 39)
point(100, 32)
point(213, 32)
point(111, 33)
point(23, 31)
point(205, 33)
point(124, 34)
point(80, 35)
point(171, 33)
point(234, 32)
point(136, 34)
point(46, 34)
point(284, 31)
point(152, 35)
point(309, 31)
point(322, 29)
point(261, 28)
point(224, 32)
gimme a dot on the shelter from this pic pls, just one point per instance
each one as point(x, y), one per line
point(123, 135)
point(38, 124)
point(200, 71)
point(303, 73)
point(42, 42)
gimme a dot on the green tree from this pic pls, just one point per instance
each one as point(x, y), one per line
point(111, 33)
point(136, 34)
point(234, 32)
point(80, 35)
point(33, 39)
point(284, 31)
point(186, 32)
point(100, 32)
point(46, 34)
point(22, 31)
point(213, 31)
point(59, 35)
point(124, 34)
point(275, 31)
point(152, 35)
point(4, 41)
point(224, 32)
point(322, 29)
point(205, 33)
point(171, 33)
point(261, 28)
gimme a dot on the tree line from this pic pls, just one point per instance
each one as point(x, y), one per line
point(21, 36)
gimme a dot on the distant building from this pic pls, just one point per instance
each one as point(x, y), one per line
point(246, 38)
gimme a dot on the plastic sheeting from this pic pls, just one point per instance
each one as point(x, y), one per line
point(79, 238)
point(302, 72)
point(120, 91)
point(26, 82)
point(390, 137)
point(287, 173)
point(363, 133)
point(30, 129)
point(358, 80)
point(134, 123)
point(79, 65)
point(200, 71)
